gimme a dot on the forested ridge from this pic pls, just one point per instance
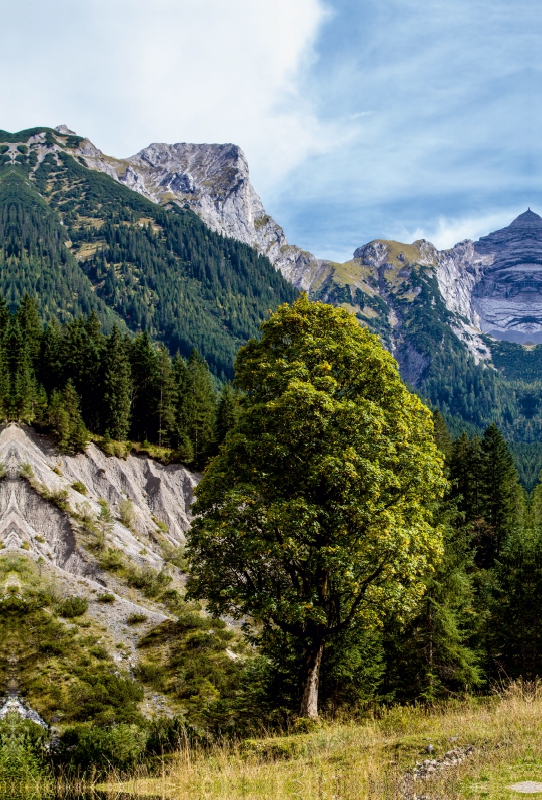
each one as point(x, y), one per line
point(82, 242)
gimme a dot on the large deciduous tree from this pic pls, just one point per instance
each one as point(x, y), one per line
point(317, 513)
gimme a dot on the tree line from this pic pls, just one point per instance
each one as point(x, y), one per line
point(73, 379)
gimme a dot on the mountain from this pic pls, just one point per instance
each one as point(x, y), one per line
point(176, 240)
point(210, 179)
point(81, 241)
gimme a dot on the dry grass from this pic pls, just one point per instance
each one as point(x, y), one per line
point(355, 761)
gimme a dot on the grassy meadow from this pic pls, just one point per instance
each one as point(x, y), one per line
point(365, 759)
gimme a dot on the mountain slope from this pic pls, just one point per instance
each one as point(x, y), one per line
point(210, 179)
point(111, 250)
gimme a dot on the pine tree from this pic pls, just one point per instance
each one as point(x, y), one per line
point(77, 439)
point(116, 386)
point(30, 325)
point(181, 439)
point(50, 367)
point(165, 397)
point(144, 368)
point(443, 440)
point(58, 420)
point(5, 378)
point(25, 387)
point(500, 492)
point(196, 407)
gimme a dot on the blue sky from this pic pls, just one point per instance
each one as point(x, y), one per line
point(376, 118)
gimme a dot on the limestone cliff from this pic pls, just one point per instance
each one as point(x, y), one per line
point(213, 180)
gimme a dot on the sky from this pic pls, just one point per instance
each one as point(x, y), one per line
point(360, 119)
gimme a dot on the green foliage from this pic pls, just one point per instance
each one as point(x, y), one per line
point(73, 607)
point(310, 508)
point(143, 266)
point(136, 618)
point(106, 597)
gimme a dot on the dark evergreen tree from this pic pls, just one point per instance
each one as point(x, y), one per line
point(31, 326)
point(117, 387)
point(501, 502)
point(196, 407)
point(228, 411)
point(144, 367)
point(165, 396)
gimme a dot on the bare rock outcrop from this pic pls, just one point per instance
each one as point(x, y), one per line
point(154, 501)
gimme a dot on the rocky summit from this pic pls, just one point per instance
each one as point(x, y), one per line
point(508, 296)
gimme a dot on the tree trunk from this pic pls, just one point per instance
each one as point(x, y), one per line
point(309, 703)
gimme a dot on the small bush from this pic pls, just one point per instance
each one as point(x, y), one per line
point(79, 487)
point(126, 512)
point(150, 582)
point(73, 607)
point(111, 560)
point(26, 471)
point(99, 749)
point(59, 498)
point(135, 619)
point(106, 597)
point(160, 524)
point(99, 652)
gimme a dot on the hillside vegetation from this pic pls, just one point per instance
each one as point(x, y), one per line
point(79, 242)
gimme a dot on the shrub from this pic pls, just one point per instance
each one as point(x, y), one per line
point(150, 582)
point(26, 471)
point(94, 748)
point(106, 597)
point(99, 652)
point(111, 559)
point(73, 607)
point(126, 512)
point(135, 619)
point(79, 487)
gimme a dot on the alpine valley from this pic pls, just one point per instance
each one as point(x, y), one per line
point(127, 286)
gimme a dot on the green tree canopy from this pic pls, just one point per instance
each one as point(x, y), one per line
point(317, 513)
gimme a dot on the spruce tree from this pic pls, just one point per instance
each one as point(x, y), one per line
point(30, 325)
point(50, 367)
point(5, 379)
point(499, 489)
point(165, 397)
point(144, 367)
point(25, 387)
point(196, 407)
point(116, 387)
point(443, 440)
point(181, 439)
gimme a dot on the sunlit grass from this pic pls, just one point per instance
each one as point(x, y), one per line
point(366, 759)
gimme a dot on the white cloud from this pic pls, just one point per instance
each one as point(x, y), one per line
point(128, 72)
point(449, 231)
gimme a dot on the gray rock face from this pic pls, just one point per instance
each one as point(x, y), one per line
point(508, 297)
point(212, 180)
point(30, 525)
